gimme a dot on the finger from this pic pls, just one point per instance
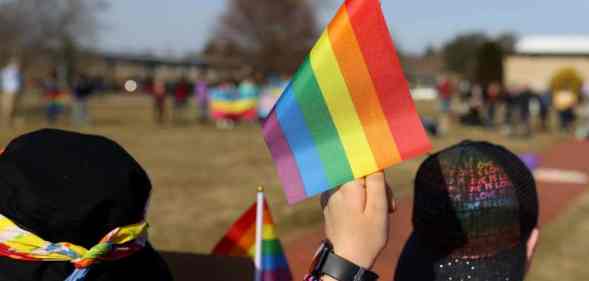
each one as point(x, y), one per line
point(325, 196)
point(354, 194)
point(391, 199)
point(376, 194)
point(327, 226)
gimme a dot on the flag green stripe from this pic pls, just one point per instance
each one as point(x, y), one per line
point(341, 107)
point(271, 247)
point(321, 126)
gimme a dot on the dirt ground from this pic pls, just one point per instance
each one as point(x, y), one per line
point(554, 200)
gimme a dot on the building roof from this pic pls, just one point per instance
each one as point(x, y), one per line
point(553, 45)
point(151, 59)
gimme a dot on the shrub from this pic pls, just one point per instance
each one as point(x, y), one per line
point(567, 79)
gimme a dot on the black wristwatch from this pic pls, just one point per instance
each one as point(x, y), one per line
point(326, 262)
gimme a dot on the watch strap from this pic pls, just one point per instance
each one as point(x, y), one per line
point(344, 270)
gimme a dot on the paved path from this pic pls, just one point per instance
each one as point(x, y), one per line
point(554, 198)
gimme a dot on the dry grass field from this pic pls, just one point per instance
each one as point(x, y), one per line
point(564, 246)
point(204, 178)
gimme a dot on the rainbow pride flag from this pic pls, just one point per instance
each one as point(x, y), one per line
point(240, 240)
point(347, 112)
point(229, 103)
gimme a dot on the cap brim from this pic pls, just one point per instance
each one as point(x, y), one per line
point(146, 264)
point(418, 263)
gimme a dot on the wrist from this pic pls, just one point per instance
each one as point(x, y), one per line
point(360, 258)
point(342, 265)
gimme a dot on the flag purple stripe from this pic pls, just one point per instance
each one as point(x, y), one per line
point(296, 132)
point(281, 274)
point(288, 170)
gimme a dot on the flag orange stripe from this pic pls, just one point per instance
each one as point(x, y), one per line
point(385, 69)
point(245, 242)
point(341, 107)
point(362, 90)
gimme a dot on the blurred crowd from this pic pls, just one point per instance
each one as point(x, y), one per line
point(515, 110)
point(56, 92)
point(226, 102)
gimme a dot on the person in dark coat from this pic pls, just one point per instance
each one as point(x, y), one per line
point(83, 89)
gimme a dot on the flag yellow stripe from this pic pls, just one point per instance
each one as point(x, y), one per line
point(362, 90)
point(341, 107)
point(233, 106)
point(268, 232)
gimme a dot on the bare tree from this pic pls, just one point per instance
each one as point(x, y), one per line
point(48, 30)
point(273, 36)
point(31, 25)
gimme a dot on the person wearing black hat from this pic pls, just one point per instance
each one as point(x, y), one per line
point(72, 207)
point(475, 217)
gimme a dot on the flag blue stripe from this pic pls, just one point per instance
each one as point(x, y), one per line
point(273, 262)
point(222, 95)
point(300, 140)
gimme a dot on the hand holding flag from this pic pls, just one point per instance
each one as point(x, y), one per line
point(356, 219)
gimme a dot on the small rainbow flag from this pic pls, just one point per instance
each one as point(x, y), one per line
point(240, 240)
point(347, 112)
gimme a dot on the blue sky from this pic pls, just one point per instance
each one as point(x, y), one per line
point(179, 26)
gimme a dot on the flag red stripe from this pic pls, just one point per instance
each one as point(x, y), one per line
point(384, 66)
point(228, 244)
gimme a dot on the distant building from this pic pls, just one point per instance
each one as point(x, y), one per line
point(115, 69)
point(422, 71)
point(538, 58)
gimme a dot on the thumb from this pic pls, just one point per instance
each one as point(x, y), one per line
point(376, 194)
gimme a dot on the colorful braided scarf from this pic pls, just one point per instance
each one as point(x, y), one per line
point(20, 244)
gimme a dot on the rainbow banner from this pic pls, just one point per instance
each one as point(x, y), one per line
point(229, 103)
point(347, 112)
point(240, 241)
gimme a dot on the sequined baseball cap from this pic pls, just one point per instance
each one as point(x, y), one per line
point(475, 206)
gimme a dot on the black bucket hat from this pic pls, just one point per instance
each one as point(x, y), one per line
point(475, 207)
point(70, 187)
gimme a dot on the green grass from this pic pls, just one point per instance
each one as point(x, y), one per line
point(564, 246)
point(204, 178)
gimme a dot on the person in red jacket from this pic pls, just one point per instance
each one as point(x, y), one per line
point(159, 100)
point(445, 91)
point(181, 95)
